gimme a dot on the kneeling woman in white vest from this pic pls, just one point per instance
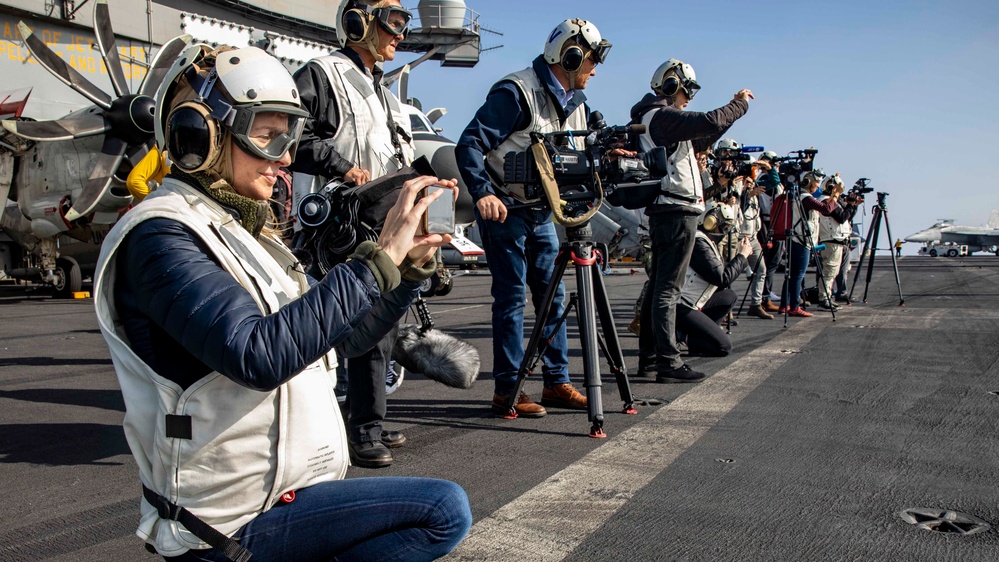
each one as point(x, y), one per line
point(221, 343)
point(706, 299)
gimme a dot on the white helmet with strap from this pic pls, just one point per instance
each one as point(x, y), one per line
point(572, 41)
point(672, 76)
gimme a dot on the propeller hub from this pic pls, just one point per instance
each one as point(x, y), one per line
point(131, 118)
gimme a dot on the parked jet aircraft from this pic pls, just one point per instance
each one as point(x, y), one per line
point(976, 238)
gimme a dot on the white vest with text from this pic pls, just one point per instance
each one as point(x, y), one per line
point(248, 447)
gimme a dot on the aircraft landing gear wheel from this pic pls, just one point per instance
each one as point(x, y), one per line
point(428, 287)
point(71, 279)
point(446, 284)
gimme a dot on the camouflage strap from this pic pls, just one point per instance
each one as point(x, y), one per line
point(547, 174)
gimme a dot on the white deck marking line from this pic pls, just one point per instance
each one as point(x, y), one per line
point(549, 521)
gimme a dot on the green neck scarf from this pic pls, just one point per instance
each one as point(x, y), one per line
point(250, 213)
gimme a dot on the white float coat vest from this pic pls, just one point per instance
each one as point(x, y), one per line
point(363, 136)
point(247, 447)
point(682, 185)
point(544, 119)
point(696, 290)
point(829, 229)
point(799, 225)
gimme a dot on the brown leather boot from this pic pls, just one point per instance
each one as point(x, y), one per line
point(757, 311)
point(563, 396)
point(769, 306)
point(525, 407)
point(635, 327)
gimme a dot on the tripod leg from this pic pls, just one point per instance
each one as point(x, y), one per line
point(754, 278)
point(863, 253)
point(537, 334)
point(876, 228)
point(612, 345)
point(894, 262)
point(588, 338)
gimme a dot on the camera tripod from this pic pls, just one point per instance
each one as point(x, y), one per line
point(591, 298)
point(871, 243)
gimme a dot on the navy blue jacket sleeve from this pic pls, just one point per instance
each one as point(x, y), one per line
point(380, 321)
point(169, 277)
point(502, 114)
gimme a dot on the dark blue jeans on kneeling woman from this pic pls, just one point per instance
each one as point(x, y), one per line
point(385, 519)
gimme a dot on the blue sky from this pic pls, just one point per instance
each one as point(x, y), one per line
point(904, 93)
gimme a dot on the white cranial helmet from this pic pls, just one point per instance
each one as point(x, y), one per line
point(667, 84)
point(582, 33)
point(728, 144)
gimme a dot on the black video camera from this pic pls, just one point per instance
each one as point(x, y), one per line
point(795, 165)
point(580, 174)
point(861, 187)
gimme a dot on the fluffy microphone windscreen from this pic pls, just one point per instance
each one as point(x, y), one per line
point(436, 355)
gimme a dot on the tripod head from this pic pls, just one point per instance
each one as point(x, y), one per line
point(882, 195)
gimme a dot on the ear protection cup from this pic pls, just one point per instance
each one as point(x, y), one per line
point(572, 59)
point(193, 137)
point(710, 221)
point(354, 25)
point(670, 86)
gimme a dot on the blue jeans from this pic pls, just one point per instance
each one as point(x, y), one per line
point(389, 518)
point(521, 253)
point(799, 263)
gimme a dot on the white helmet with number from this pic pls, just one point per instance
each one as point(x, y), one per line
point(668, 84)
point(572, 41)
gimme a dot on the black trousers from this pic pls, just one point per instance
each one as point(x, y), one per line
point(701, 327)
point(672, 244)
point(366, 389)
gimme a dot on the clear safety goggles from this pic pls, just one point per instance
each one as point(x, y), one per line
point(600, 50)
point(690, 86)
point(393, 19)
point(268, 131)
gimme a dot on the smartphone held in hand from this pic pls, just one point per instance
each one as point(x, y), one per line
point(439, 218)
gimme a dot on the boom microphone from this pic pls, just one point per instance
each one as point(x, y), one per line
point(438, 356)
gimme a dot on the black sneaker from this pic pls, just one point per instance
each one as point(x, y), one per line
point(369, 454)
point(393, 439)
point(681, 374)
point(646, 371)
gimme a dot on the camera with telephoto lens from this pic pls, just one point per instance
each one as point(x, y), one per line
point(732, 164)
point(584, 175)
point(861, 187)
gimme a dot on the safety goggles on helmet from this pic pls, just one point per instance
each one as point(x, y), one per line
point(267, 131)
point(393, 19)
point(600, 50)
point(685, 73)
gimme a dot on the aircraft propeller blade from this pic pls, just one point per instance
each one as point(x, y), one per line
point(58, 67)
point(100, 179)
point(86, 125)
point(108, 48)
point(162, 62)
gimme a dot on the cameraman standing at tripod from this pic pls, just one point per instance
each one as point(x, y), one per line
point(834, 233)
point(520, 243)
point(674, 215)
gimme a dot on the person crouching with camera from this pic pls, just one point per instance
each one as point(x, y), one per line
point(674, 215)
point(834, 232)
point(706, 298)
point(521, 244)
